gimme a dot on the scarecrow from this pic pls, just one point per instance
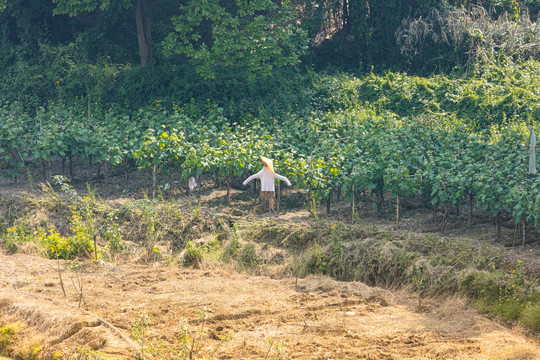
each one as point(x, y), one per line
point(267, 176)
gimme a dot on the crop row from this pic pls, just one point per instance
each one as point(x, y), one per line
point(432, 157)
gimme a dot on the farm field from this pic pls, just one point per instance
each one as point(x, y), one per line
point(315, 318)
point(270, 309)
point(407, 227)
point(417, 223)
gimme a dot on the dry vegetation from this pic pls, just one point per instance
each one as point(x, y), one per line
point(317, 317)
point(257, 274)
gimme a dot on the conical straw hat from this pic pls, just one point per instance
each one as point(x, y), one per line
point(268, 163)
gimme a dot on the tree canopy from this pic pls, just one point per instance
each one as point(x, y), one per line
point(132, 52)
point(250, 37)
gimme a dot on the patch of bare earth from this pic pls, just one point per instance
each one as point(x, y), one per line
point(318, 317)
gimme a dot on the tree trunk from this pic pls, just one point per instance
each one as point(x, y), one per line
point(471, 204)
point(199, 188)
point(328, 206)
point(126, 172)
point(352, 205)
point(380, 201)
point(71, 167)
point(106, 171)
point(398, 205)
point(229, 178)
point(170, 177)
point(44, 169)
point(498, 225)
point(524, 231)
point(143, 31)
point(445, 216)
point(126, 165)
point(153, 181)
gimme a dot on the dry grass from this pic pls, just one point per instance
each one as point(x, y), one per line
point(318, 316)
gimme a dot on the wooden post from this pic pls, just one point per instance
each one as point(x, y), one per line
point(95, 247)
point(278, 195)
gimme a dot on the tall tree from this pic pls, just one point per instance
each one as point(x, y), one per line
point(141, 12)
point(248, 37)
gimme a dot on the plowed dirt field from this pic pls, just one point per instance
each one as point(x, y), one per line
point(317, 317)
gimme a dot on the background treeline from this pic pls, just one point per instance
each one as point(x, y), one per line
point(243, 55)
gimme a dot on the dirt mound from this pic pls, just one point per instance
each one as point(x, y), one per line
point(354, 288)
point(312, 318)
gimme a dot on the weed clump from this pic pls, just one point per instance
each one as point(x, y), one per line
point(530, 316)
point(192, 341)
point(8, 335)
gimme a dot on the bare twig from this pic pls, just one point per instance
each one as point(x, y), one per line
point(60, 270)
point(78, 288)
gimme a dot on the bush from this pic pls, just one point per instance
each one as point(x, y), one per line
point(194, 254)
point(530, 316)
point(8, 334)
point(65, 247)
point(17, 235)
point(248, 256)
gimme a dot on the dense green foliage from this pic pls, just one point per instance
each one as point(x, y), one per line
point(451, 142)
point(236, 38)
point(82, 52)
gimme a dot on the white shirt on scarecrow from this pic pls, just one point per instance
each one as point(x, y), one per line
point(267, 176)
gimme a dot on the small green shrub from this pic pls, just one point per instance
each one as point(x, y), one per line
point(481, 285)
point(8, 334)
point(86, 353)
point(315, 260)
point(28, 349)
point(17, 235)
point(189, 339)
point(248, 256)
point(530, 316)
point(114, 234)
point(277, 350)
point(58, 246)
point(194, 254)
